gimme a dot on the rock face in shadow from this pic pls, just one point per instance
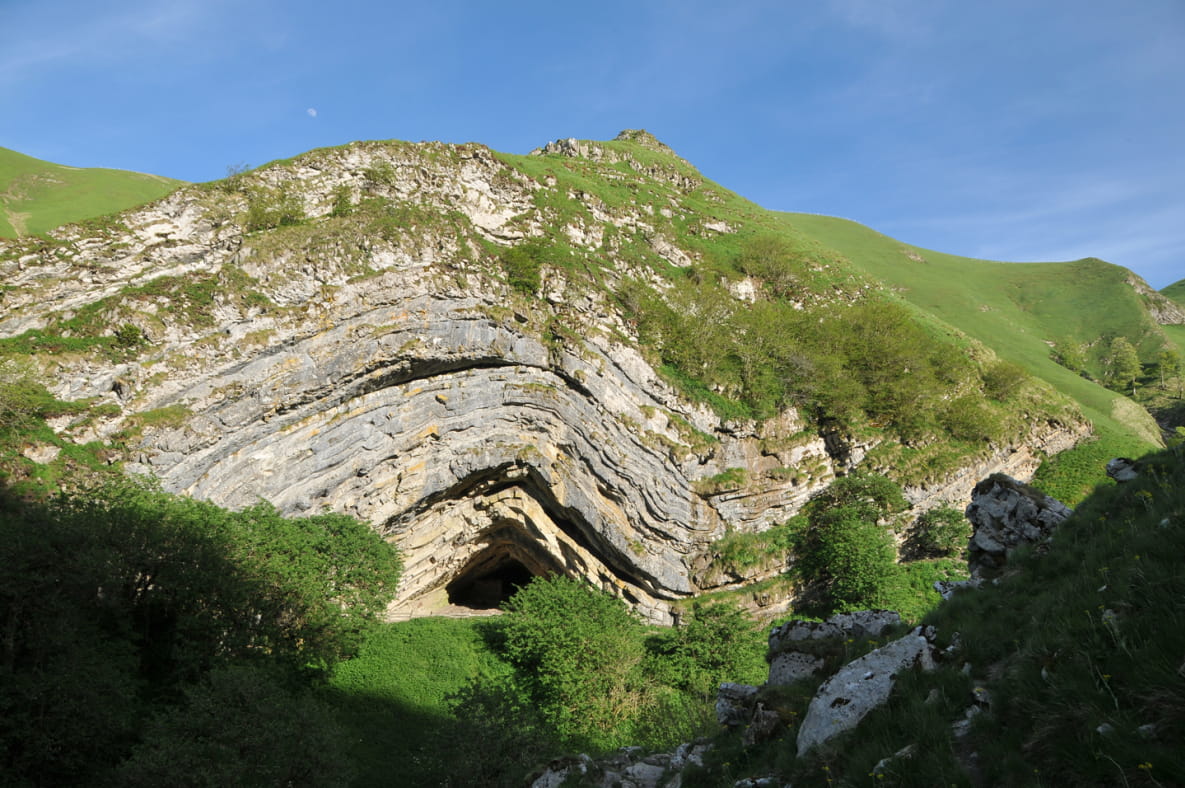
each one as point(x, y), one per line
point(1005, 514)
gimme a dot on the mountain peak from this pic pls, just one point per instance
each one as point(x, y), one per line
point(645, 139)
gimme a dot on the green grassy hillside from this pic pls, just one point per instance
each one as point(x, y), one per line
point(1024, 311)
point(36, 196)
point(1175, 291)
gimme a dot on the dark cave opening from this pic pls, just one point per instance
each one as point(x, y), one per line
point(488, 587)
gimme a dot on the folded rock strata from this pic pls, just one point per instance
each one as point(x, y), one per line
point(395, 376)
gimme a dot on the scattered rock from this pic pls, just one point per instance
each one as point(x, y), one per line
point(788, 667)
point(734, 704)
point(1121, 469)
point(762, 725)
point(883, 765)
point(947, 588)
point(962, 727)
point(759, 782)
point(859, 687)
point(857, 624)
point(42, 453)
point(559, 771)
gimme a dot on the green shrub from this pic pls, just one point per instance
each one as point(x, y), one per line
point(579, 653)
point(241, 726)
point(942, 531)
point(856, 555)
point(269, 208)
point(844, 546)
point(716, 642)
point(968, 418)
point(116, 600)
point(1003, 380)
point(129, 337)
point(522, 264)
point(498, 734)
point(341, 205)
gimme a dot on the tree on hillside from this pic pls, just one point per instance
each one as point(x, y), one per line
point(845, 544)
point(1124, 364)
point(1168, 364)
point(1070, 355)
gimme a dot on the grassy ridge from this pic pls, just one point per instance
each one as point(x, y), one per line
point(1175, 291)
point(36, 196)
point(1018, 310)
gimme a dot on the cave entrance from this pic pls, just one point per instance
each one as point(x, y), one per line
point(489, 585)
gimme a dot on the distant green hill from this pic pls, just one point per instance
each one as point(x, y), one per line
point(1175, 291)
point(36, 196)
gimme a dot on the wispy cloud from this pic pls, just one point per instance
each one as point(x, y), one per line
point(84, 35)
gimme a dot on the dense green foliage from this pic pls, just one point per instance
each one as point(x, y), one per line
point(269, 208)
point(522, 264)
point(716, 642)
point(846, 545)
point(867, 361)
point(1021, 312)
point(567, 667)
point(125, 602)
point(574, 649)
point(942, 531)
point(241, 725)
point(1123, 365)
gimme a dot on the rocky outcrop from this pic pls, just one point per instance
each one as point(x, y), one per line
point(1019, 460)
point(1162, 309)
point(859, 687)
point(1005, 514)
point(1121, 469)
point(630, 767)
point(790, 657)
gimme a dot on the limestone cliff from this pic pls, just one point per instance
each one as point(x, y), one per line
point(384, 366)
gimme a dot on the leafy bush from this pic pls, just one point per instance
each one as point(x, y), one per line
point(845, 547)
point(22, 398)
point(129, 337)
point(341, 205)
point(1123, 365)
point(1003, 380)
point(269, 208)
point(241, 726)
point(522, 264)
point(968, 418)
point(498, 734)
point(856, 555)
point(942, 531)
point(716, 642)
point(579, 652)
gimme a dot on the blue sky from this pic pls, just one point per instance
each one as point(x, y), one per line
point(1034, 130)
